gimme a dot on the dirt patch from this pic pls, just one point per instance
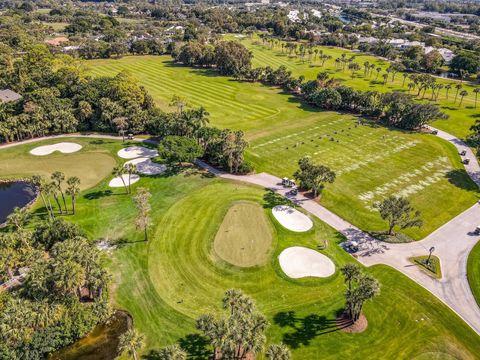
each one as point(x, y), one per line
point(345, 324)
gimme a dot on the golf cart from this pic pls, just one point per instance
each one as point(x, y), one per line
point(288, 182)
point(477, 230)
point(294, 191)
point(466, 161)
point(352, 246)
point(463, 153)
point(130, 137)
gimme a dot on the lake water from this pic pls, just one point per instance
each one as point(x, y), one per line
point(100, 344)
point(14, 194)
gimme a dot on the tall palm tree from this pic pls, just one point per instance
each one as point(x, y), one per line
point(49, 188)
point(378, 69)
point(447, 89)
point(463, 93)
point(39, 183)
point(404, 75)
point(476, 91)
point(119, 171)
point(58, 177)
point(130, 169)
point(130, 342)
point(458, 87)
point(73, 189)
point(278, 352)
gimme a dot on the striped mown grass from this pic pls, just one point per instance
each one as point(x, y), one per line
point(371, 162)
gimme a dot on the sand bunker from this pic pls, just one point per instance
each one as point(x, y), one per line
point(146, 166)
point(292, 219)
point(298, 262)
point(133, 152)
point(63, 147)
point(117, 181)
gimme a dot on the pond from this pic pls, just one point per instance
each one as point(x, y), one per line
point(14, 194)
point(100, 344)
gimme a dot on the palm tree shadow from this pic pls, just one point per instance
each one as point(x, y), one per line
point(196, 346)
point(307, 328)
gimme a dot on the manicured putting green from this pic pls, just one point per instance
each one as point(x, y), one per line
point(244, 238)
point(91, 165)
point(371, 162)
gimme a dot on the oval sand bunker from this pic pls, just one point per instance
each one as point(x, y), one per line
point(146, 166)
point(133, 152)
point(292, 219)
point(297, 262)
point(117, 181)
point(63, 147)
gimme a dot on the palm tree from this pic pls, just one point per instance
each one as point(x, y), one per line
point(49, 188)
point(350, 272)
point(130, 169)
point(447, 88)
point(172, 352)
point(378, 69)
point(385, 78)
point(366, 68)
point(130, 342)
point(404, 75)
point(353, 67)
point(18, 219)
point(57, 178)
point(410, 87)
point(278, 352)
point(458, 87)
point(39, 183)
point(463, 93)
point(119, 171)
point(73, 189)
point(476, 91)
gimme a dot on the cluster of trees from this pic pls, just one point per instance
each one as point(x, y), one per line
point(237, 335)
point(360, 288)
point(59, 98)
point(391, 108)
point(64, 293)
point(56, 188)
point(229, 57)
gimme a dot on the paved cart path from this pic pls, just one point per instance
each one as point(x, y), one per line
point(453, 241)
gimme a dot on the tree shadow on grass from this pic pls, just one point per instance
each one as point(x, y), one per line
point(97, 194)
point(272, 199)
point(307, 328)
point(460, 179)
point(196, 346)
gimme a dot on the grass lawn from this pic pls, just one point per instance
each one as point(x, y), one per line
point(461, 117)
point(473, 271)
point(371, 162)
point(244, 237)
point(91, 164)
point(166, 283)
point(56, 26)
point(433, 269)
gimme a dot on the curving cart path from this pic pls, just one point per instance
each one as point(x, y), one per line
point(453, 241)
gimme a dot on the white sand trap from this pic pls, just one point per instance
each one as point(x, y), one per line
point(117, 181)
point(298, 262)
point(146, 166)
point(133, 152)
point(63, 147)
point(292, 219)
